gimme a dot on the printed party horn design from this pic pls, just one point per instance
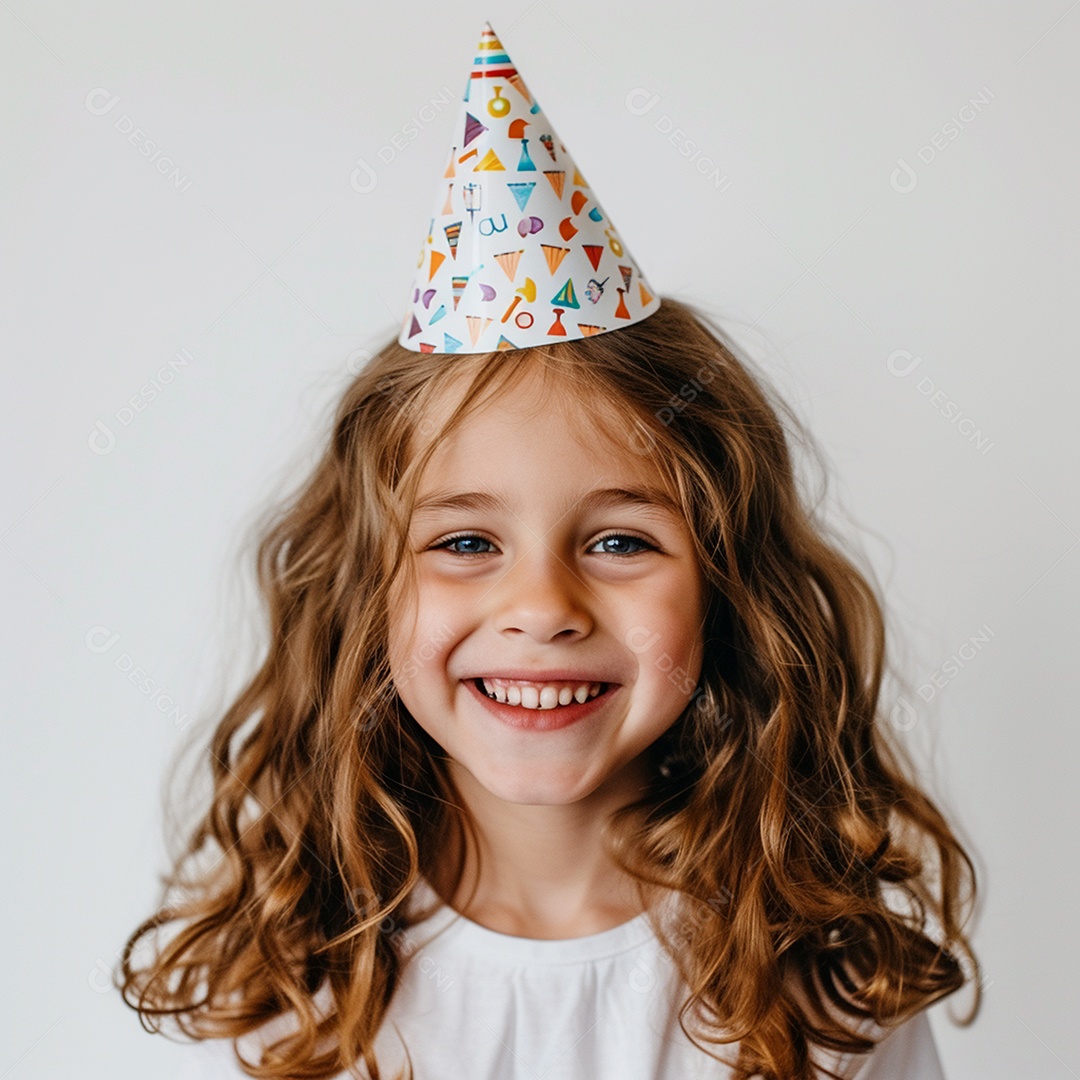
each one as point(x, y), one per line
point(519, 251)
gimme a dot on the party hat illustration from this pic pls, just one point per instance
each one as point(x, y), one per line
point(519, 251)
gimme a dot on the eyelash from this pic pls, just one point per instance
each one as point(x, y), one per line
point(444, 544)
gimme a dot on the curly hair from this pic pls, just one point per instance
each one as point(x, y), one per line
point(823, 888)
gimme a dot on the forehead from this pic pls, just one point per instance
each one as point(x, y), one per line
point(535, 424)
point(528, 386)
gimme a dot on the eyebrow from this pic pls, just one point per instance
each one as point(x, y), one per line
point(648, 498)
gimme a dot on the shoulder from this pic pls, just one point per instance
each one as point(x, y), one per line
point(219, 1059)
point(904, 1051)
point(215, 1059)
point(209, 1059)
point(907, 1052)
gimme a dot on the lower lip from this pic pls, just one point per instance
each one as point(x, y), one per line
point(542, 719)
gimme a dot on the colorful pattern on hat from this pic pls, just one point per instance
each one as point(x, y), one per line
point(519, 251)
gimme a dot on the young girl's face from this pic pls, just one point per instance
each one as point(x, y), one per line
point(532, 574)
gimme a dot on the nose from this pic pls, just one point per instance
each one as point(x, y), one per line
point(540, 595)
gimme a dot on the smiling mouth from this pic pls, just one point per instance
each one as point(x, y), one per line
point(531, 698)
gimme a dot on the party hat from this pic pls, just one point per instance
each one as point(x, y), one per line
point(519, 251)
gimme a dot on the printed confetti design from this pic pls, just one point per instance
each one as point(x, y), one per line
point(519, 251)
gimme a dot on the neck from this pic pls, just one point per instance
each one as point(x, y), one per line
point(542, 870)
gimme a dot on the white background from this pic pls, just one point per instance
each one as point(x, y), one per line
point(268, 274)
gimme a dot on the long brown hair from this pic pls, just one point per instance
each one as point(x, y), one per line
point(823, 887)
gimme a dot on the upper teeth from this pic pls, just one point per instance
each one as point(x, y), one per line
point(539, 695)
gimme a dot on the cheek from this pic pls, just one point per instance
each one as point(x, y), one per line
point(421, 632)
point(673, 647)
point(402, 632)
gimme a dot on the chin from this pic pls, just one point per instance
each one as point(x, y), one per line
point(527, 784)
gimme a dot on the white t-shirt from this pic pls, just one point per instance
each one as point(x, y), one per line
point(475, 1004)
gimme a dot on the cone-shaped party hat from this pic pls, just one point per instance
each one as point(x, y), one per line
point(519, 251)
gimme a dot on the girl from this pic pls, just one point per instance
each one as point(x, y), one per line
point(731, 756)
point(566, 757)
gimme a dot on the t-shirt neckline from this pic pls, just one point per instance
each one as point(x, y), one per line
point(460, 933)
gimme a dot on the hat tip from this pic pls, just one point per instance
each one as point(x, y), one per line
point(488, 38)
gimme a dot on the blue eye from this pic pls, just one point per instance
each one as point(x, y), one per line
point(643, 545)
point(462, 538)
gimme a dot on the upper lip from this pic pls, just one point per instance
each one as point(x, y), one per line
point(554, 675)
